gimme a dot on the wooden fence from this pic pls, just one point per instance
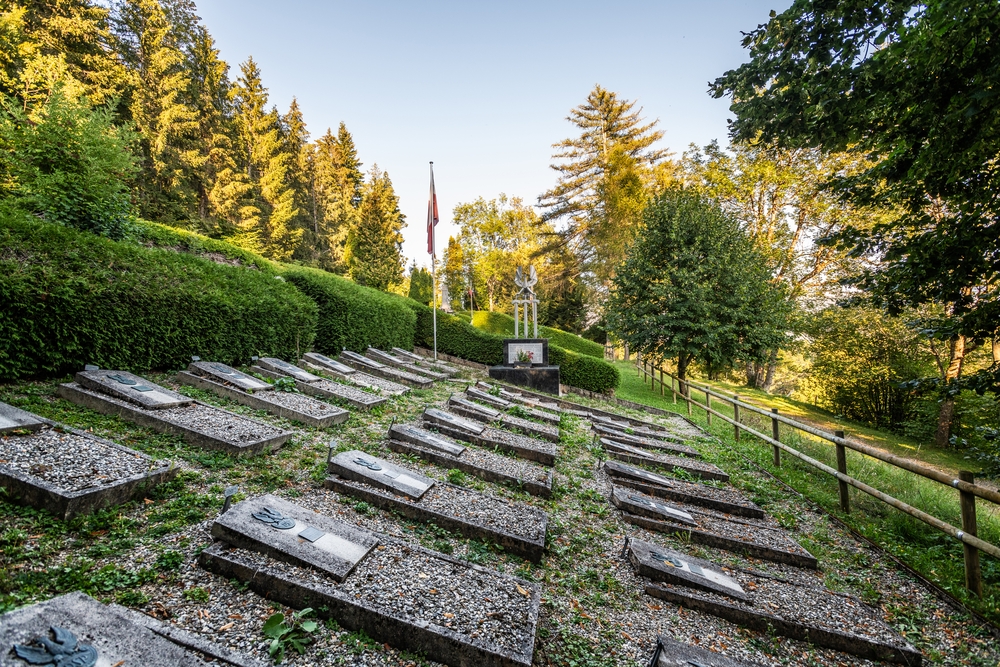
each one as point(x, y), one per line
point(965, 485)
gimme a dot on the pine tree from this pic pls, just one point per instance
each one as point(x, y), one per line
point(374, 244)
point(337, 181)
point(300, 178)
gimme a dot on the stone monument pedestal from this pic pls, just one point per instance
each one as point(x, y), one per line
point(536, 374)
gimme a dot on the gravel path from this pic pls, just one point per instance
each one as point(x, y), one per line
point(300, 402)
point(71, 462)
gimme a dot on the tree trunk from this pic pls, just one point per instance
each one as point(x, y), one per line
point(753, 374)
point(947, 413)
point(683, 360)
point(772, 366)
point(996, 350)
point(627, 355)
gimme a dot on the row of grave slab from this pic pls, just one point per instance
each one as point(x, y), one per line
point(292, 554)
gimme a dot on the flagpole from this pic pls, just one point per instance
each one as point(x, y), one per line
point(434, 299)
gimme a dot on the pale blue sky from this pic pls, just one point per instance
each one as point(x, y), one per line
point(483, 89)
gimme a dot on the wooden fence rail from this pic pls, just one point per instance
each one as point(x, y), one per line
point(965, 484)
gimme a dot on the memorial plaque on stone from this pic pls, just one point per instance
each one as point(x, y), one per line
point(479, 395)
point(132, 388)
point(672, 653)
point(436, 416)
point(224, 373)
point(361, 359)
point(75, 630)
point(361, 467)
point(535, 352)
point(15, 419)
point(294, 534)
point(661, 564)
point(326, 362)
point(641, 505)
point(291, 370)
point(424, 438)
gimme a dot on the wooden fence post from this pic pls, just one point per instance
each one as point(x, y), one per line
point(708, 407)
point(661, 380)
point(686, 394)
point(673, 389)
point(736, 417)
point(845, 494)
point(774, 436)
point(973, 572)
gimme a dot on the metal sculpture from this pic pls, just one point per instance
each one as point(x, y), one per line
point(524, 299)
point(65, 651)
point(274, 519)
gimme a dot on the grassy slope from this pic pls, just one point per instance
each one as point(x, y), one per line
point(936, 556)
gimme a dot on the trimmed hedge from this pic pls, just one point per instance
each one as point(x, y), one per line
point(70, 298)
point(156, 235)
point(502, 324)
point(468, 342)
point(353, 316)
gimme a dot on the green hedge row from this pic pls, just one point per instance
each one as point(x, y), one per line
point(70, 298)
point(503, 325)
point(584, 371)
point(353, 316)
point(156, 235)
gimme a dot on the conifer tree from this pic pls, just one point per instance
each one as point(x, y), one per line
point(300, 177)
point(337, 181)
point(374, 244)
point(455, 274)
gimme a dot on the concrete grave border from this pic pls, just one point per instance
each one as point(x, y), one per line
point(311, 389)
point(472, 410)
point(372, 367)
point(674, 448)
point(417, 358)
point(383, 357)
point(640, 555)
point(672, 653)
point(20, 420)
point(546, 456)
point(624, 453)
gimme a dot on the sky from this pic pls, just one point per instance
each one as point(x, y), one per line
point(483, 89)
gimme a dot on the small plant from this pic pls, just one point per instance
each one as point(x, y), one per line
point(285, 384)
point(518, 411)
point(196, 594)
point(169, 560)
point(456, 477)
point(288, 632)
point(525, 356)
point(494, 391)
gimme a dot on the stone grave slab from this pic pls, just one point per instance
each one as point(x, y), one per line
point(228, 375)
point(481, 463)
point(661, 564)
point(285, 368)
point(630, 454)
point(361, 467)
point(199, 424)
point(488, 398)
point(416, 358)
point(724, 500)
point(379, 384)
point(646, 441)
point(412, 598)
point(15, 419)
point(440, 417)
point(638, 432)
point(409, 366)
point(672, 653)
point(482, 413)
point(293, 534)
point(327, 363)
point(518, 528)
point(473, 410)
point(533, 400)
point(328, 389)
point(75, 630)
point(69, 472)
point(372, 367)
point(777, 606)
point(758, 539)
point(287, 405)
point(132, 388)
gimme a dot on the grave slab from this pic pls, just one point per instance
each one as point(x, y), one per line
point(672, 653)
point(661, 564)
point(518, 528)
point(525, 447)
point(488, 398)
point(328, 389)
point(69, 472)
point(440, 417)
point(631, 454)
point(132, 388)
point(724, 500)
point(361, 467)
point(409, 366)
point(481, 396)
point(482, 413)
point(416, 358)
point(646, 442)
point(199, 424)
point(327, 363)
point(481, 463)
point(414, 599)
point(285, 368)
point(293, 534)
point(723, 532)
point(380, 384)
point(776, 606)
point(298, 407)
point(227, 375)
point(15, 419)
point(372, 367)
point(83, 633)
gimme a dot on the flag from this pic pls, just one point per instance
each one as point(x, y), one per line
point(432, 215)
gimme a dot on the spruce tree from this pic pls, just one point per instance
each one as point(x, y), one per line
point(300, 178)
point(374, 243)
point(337, 181)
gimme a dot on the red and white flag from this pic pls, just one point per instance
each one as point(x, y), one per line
point(432, 215)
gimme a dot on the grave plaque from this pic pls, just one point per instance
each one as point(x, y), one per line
point(132, 388)
point(326, 362)
point(535, 351)
point(291, 370)
point(636, 503)
point(15, 419)
point(661, 564)
point(75, 630)
point(361, 467)
point(294, 534)
point(224, 373)
point(487, 413)
point(423, 438)
point(672, 653)
point(361, 359)
point(449, 420)
point(480, 395)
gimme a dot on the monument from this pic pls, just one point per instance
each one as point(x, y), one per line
point(526, 357)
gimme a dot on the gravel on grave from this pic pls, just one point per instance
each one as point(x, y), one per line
point(679, 461)
point(344, 390)
point(527, 424)
point(381, 383)
point(484, 458)
point(819, 608)
point(406, 583)
point(479, 508)
point(517, 439)
point(299, 402)
point(726, 494)
point(69, 461)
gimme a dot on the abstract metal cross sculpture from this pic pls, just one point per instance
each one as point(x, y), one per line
point(525, 299)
